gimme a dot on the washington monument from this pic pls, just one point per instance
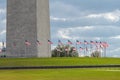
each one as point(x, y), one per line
point(28, 28)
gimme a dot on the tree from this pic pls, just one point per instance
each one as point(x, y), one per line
point(64, 51)
point(96, 54)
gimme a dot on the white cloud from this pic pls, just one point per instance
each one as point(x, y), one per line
point(110, 16)
point(97, 38)
point(85, 33)
point(65, 34)
point(85, 28)
point(72, 33)
point(64, 19)
point(58, 19)
point(2, 10)
point(2, 32)
point(115, 37)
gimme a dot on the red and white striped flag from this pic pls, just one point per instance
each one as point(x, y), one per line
point(92, 42)
point(66, 49)
point(96, 42)
point(101, 45)
point(85, 42)
point(38, 42)
point(59, 42)
point(105, 44)
point(81, 49)
point(27, 43)
point(69, 42)
point(49, 42)
point(74, 49)
point(78, 42)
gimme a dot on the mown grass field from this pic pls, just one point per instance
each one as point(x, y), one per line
point(57, 61)
point(61, 74)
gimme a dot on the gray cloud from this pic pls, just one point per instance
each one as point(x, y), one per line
point(94, 5)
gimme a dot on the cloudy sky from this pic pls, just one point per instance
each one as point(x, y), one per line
point(97, 20)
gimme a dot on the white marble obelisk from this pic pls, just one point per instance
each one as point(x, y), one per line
point(28, 21)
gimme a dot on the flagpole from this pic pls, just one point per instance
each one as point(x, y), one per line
point(91, 48)
point(84, 49)
point(76, 47)
point(104, 52)
point(68, 51)
point(80, 52)
point(3, 48)
point(85, 46)
point(25, 50)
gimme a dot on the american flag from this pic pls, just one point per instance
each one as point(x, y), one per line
point(38, 42)
point(66, 49)
point(96, 42)
point(74, 49)
point(78, 42)
point(69, 42)
point(85, 42)
point(101, 44)
point(105, 44)
point(49, 42)
point(92, 42)
point(81, 48)
point(59, 42)
point(27, 43)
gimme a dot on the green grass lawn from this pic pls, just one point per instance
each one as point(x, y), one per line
point(57, 61)
point(61, 74)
